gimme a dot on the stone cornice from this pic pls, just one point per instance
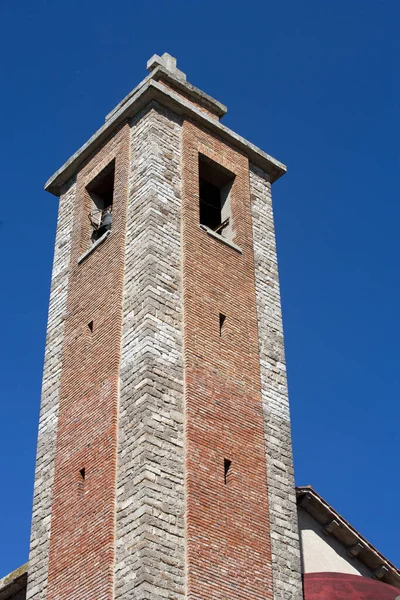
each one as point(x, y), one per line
point(183, 86)
point(152, 90)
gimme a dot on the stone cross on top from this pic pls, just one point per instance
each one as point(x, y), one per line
point(166, 61)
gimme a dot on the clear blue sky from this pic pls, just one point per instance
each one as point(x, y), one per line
point(315, 84)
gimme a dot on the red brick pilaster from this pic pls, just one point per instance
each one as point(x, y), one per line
point(82, 542)
point(227, 524)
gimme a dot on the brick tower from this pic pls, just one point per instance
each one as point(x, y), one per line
point(164, 464)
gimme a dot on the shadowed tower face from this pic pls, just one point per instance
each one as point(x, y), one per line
point(164, 465)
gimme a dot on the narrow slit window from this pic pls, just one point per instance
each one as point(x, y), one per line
point(90, 326)
point(227, 468)
point(215, 183)
point(101, 193)
point(222, 319)
point(81, 482)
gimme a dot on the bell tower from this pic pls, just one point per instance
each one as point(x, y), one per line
point(164, 463)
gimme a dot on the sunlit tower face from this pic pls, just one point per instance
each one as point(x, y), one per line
point(164, 406)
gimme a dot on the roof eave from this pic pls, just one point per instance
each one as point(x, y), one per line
point(13, 583)
point(370, 554)
point(193, 93)
point(153, 90)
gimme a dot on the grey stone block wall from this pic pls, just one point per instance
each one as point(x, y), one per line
point(278, 444)
point(46, 449)
point(150, 479)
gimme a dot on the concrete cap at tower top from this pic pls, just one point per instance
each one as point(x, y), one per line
point(163, 68)
point(168, 62)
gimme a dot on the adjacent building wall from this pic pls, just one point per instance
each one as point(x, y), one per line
point(278, 441)
point(324, 553)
